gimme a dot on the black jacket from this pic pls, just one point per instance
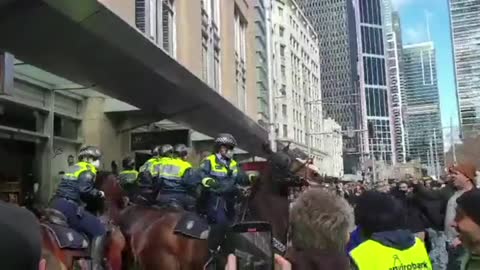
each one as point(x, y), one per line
point(81, 189)
point(433, 204)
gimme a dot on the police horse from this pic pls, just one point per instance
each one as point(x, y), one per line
point(71, 248)
point(170, 239)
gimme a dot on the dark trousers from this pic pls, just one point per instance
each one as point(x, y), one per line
point(79, 219)
point(219, 210)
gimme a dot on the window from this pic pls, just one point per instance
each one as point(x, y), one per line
point(240, 27)
point(285, 131)
point(156, 18)
point(168, 26)
point(281, 31)
point(280, 12)
point(211, 60)
point(284, 111)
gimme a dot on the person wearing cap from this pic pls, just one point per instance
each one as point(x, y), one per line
point(76, 188)
point(463, 179)
point(467, 223)
point(21, 240)
point(174, 184)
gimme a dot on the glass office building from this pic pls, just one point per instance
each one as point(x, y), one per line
point(465, 24)
point(374, 79)
point(423, 121)
point(334, 22)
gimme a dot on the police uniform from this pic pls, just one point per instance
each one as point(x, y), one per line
point(77, 184)
point(148, 172)
point(128, 181)
point(372, 255)
point(220, 204)
point(174, 175)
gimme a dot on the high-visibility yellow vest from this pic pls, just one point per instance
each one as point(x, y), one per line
point(174, 168)
point(371, 255)
point(219, 169)
point(129, 176)
point(74, 171)
point(149, 165)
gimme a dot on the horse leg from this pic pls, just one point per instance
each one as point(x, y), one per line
point(115, 249)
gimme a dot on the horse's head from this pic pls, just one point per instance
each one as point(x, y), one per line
point(286, 169)
point(109, 184)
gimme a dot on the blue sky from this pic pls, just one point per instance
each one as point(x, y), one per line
point(413, 15)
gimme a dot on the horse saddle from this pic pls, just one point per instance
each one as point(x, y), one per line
point(67, 238)
point(192, 225)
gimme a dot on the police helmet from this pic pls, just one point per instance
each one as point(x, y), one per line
point(128, 162)
point(166, 150)
point(156, 151)
point(225, 139)
point(89, 151)
point(180, 150)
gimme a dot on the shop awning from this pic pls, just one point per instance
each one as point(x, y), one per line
point(88, 44)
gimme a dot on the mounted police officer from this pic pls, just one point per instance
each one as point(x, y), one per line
point(128, 176)
point(147, 173)
point(219, 176)
point(174, 180)
point(76, 187)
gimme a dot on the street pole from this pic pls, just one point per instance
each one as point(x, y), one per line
point(452, 141)
point(271, 100)
point(437, 164)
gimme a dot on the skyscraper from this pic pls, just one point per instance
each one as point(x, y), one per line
point(334, 22)
point(465, 24)
point(395, 76)
point(423, 121)
point(374, 91)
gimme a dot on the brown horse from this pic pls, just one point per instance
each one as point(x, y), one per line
point(153, 245)
point(111, 205)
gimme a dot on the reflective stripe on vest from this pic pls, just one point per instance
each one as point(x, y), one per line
point(415, 257)
point(133, 173)
point(150, 165)
point(74, 171)
point(174, 169)
point(219, 169)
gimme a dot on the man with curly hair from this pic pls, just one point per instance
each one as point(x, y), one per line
point(320, 224)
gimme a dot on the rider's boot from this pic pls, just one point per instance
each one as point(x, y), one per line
point(97, 252)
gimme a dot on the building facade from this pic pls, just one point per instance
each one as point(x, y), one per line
point(45, 118)
point(395, 75)
point(296, 78)
point(332, 146)
point(334, 22)
point(423, 119)
point(465, 28)
point(261, 62)
point(374, 81)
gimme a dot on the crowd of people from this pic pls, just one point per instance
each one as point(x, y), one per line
point(407, 224)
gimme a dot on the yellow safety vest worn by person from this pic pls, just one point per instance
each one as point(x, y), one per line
point(372, 255)
point(172, 173)
point(150, 166)
point(223, 172)
point(128, 177)
point(78, 180)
